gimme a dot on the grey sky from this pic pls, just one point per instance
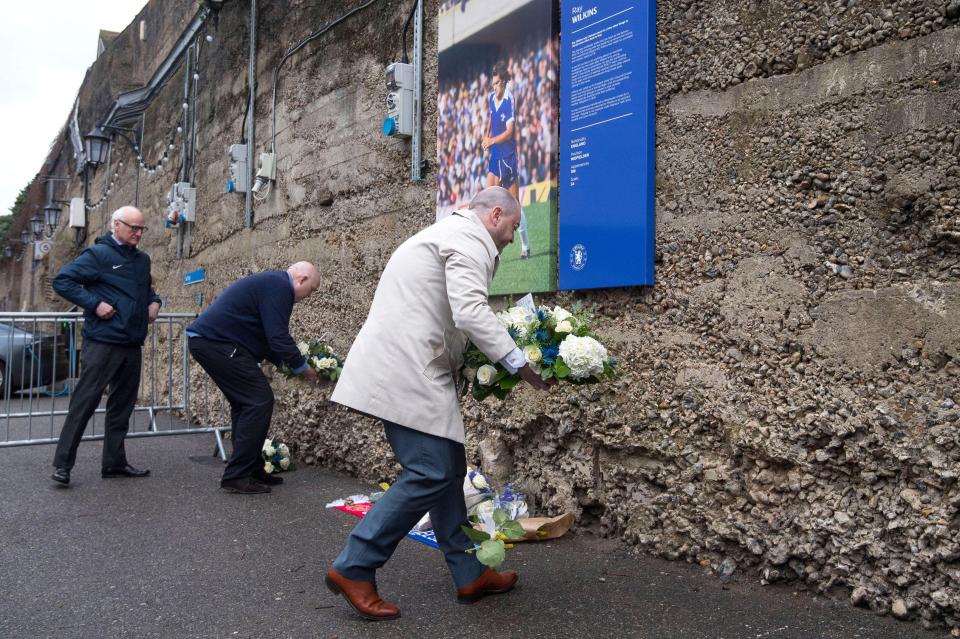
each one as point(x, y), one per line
point(46, 47)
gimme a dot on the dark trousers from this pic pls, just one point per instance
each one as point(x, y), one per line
point(431, 481)
point(102, 364)
point(236, 373)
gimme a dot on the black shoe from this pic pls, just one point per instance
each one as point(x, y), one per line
point(244, 486)
point(265, 478)
point(61, 475)
point(123, 471)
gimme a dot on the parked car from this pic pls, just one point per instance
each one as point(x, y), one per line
point(29, 360)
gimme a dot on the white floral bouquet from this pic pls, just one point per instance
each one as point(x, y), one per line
point(276, 457)
point(321, 358)
point(556, 343)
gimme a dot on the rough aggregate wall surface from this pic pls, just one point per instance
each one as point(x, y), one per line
point(786, 402)
point(787, 397)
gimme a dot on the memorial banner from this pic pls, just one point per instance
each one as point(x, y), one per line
point(497, 124)
point(607, 143)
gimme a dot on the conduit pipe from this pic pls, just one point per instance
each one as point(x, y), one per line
point(252, 81)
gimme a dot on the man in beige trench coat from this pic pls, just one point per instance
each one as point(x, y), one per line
point(432, 298)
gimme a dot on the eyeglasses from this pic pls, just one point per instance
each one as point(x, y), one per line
point(135, 229)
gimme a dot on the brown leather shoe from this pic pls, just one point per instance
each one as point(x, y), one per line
point(490, 582)
point(362, 597)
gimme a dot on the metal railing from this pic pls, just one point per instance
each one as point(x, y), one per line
point(40, 365)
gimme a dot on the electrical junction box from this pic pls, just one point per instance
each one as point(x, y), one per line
point(268, 166)
point(238, 169)
point(181, 204)
point(267, 172)
point(399, 121)
point(78, 213)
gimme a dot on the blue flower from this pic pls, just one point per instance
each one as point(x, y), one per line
point(541, 315)
point(549, 353)
point(541, 335)
point(513, 333)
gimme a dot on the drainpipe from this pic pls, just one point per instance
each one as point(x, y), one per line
point(416, 149)
point(184, 146)
point(252, 82)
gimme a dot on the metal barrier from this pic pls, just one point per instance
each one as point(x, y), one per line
point(40, 364)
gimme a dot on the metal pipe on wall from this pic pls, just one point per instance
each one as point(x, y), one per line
point(184, 148)
point(105, 196)
point(416, 147)
point(252, 81)
point(139, 151)
point(184, 132)
point(193, 114)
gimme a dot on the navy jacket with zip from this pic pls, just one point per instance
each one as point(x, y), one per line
point(254, 314)
point(117, 274)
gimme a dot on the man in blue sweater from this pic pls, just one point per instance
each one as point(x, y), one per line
point(249, 322)
point(110, 281)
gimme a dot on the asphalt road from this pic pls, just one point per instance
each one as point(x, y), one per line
point(172, 556)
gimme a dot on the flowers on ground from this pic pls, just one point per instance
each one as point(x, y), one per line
point(321, 358)
point(495, 522)
point(276, 456)
point(556, 343)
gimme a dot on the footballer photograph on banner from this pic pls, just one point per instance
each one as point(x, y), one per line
point(497, 124)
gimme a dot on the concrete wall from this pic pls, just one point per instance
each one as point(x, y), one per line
point(786, 400)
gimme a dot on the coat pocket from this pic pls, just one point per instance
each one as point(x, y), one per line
point(441, 362)
point(438, 366)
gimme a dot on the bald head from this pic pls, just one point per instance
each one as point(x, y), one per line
point(127, 222)
point(306, 279)
point(492, 197)
point(499, 212)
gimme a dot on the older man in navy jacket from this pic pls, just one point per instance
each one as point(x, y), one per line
point(110, 281)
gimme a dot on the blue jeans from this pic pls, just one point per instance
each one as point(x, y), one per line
point(431, 481)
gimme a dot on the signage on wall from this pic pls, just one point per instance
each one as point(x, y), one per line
point(194, 277)
point(568, 129)
point(607, 143)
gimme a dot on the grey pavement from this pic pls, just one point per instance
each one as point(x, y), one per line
point(172, 556)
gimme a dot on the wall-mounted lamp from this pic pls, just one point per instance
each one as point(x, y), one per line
point(8, 251)
point(36, 223)
point(25, 237)
point(51, 216)
point(96, 143)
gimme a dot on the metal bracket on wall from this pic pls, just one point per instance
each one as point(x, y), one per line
point(416, 147)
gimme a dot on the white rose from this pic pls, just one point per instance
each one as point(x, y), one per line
point(521, 316)
point(284, 450)
point(532, 354)
point(470, 374)
point(285, 463)
point(327, 362)
point(564, 327)
point(560, 314)
point(485, 374)
point(304, 348)
point(269, 450)
point(584, 356)
point(268, 468)
point(518, 318)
